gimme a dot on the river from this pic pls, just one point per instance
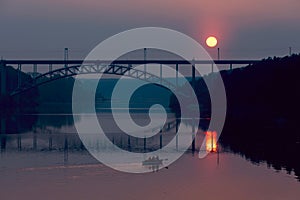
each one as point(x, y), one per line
point(43, 157)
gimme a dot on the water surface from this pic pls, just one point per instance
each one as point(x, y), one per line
point(47, 160)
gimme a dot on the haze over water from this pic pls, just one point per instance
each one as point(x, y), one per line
point(39, 164)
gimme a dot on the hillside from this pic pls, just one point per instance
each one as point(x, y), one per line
point(262, 111)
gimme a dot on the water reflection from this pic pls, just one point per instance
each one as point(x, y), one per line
point(277, 147)
point(22, 123)
point(211, 141)
point(153, 163)
point(17, 123)
point(56, 133)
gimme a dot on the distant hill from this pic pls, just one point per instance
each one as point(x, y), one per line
point(265, 91)
point(28, 98)
point(262, 111)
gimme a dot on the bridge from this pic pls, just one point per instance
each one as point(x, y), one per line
point(58, 69)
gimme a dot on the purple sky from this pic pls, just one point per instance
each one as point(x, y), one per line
point(245, 28)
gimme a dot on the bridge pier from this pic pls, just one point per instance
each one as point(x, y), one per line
point(34, 70)
point(19, 75)
point(160, 73)
point(50, 67)
point(176, 76)
point(193, 77)
point(3, 77)
point(177, 134)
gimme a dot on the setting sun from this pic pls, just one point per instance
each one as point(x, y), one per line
point(211, 41)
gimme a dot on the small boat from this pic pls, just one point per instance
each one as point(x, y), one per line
point(152, 161)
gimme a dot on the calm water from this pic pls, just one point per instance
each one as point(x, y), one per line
point(42, 157)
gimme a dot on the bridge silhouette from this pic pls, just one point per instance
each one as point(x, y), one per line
point(67, 68)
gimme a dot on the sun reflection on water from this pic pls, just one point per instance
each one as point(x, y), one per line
point(211, 141)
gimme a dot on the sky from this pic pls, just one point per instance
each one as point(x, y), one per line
point(246, 29)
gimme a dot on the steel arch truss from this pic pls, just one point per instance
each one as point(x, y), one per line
point(113, 69)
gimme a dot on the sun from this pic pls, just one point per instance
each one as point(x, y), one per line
point(211, 41)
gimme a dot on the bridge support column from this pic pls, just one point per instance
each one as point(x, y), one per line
point(193, 77)
point(34, 70)
point(145, 57)
point(160, 73)
point(177, 134)
point(176, 76)
point(3, 77)
point(50, 67)
point(19, 75)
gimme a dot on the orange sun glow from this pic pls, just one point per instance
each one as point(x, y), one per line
point(211, 41)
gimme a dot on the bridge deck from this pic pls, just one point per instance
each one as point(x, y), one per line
point(47, 62)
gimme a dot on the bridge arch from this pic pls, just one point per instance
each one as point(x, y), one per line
point(113, 69)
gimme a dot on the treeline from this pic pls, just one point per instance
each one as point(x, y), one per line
point(56, 96)
point(268, 90)
point(34, 99)
point(25, 100)
point(262, 111)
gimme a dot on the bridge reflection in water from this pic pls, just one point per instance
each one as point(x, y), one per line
point(47, 139)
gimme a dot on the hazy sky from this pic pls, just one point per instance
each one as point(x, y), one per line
point(245, 28)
